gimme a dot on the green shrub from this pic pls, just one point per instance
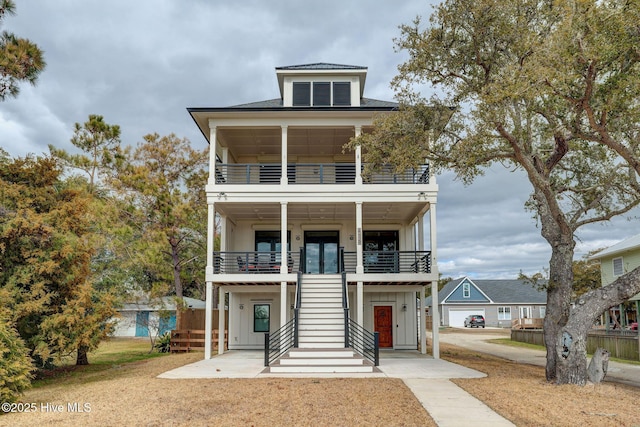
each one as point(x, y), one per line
point(163, 344)
point(15, 363)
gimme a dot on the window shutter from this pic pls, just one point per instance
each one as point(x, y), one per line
point(321, 94)
point(342, 93)
point(301, 94)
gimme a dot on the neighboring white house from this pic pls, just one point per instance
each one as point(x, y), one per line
point(291, 199)
point(137, 319)
point(615, 261)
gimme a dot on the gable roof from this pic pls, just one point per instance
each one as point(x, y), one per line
point(626, 245)
point(497, 292)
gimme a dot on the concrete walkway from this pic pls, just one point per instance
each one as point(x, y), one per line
point(427, 378)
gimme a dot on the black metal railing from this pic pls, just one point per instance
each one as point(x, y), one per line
point(345, 307)
point(364, 342)
point(390, 261)
point(232, 262)
point(296, 309)
point(386, 176)
point(314, 173)
point(278, 343)
point(285, 338)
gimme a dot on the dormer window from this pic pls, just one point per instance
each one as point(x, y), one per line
point(321, 94)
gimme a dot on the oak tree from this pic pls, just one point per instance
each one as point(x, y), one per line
point(547, 88)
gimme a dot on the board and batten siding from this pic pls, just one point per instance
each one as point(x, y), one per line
point(405, 333)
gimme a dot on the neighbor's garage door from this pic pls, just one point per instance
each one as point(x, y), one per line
point(456, 317)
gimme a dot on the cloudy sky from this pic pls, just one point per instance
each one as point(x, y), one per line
point(141, 63)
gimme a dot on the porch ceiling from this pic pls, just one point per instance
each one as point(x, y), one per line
point(371, 212)
point(325, 141)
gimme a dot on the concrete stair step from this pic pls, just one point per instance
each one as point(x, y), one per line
point(323, 341)
point(319, 345)
point(320, 362)
point(333, 353)
point(320, 369)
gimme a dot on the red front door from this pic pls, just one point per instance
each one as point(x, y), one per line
point(383, 324)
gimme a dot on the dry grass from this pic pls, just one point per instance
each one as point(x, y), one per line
point(521, 394)
point(131, 394)
point(134, 396)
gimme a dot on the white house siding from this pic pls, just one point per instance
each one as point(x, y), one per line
point(125, 324)
point(241, 335)
point(405, 335)
point(240, 236)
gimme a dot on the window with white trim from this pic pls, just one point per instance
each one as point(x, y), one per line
point(618, 268)
point(504, 313)
point(543, 311)
point(466, 290)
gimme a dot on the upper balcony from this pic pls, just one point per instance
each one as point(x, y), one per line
point(313, 173)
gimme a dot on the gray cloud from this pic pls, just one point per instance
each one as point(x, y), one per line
point(141, 63)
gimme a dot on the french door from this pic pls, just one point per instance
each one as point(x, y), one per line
point(321, 252)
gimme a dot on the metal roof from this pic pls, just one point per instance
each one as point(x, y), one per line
point(321, 66)
point(626, 245)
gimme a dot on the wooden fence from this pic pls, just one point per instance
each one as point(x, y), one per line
point(194, 319)
point(193, 339)
point(189, 334)
point(620, 345)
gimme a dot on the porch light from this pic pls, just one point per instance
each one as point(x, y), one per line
point(422, 195)
point(241, 306)
point(404, 307)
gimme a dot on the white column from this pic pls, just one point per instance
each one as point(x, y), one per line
point(283, 176)
point(283, 263)
point(212, 155)
point(360, 302)
point(359, 265)
point(221, 316)
point(208, 327)
point(423, 321)
point(435, 315)
point(421, 232)
point(358, 131)
point(208, 320)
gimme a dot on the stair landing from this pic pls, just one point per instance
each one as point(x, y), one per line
point(321, 361)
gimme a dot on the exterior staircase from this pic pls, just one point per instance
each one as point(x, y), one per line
point(321, 332)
